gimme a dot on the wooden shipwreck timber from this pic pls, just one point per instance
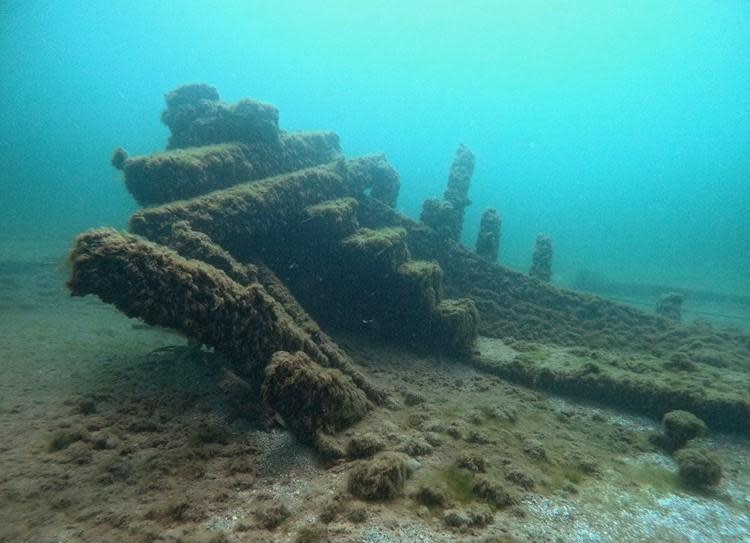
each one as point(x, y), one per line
point(255, 236)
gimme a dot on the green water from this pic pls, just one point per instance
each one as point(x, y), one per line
point(618, 128)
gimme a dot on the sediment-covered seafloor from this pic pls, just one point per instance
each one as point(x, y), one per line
point(415, 368)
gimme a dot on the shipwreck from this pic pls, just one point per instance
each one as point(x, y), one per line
point(255, 241)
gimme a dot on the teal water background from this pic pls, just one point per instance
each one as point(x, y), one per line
point(619, 128)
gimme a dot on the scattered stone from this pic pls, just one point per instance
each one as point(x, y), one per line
point(433, 439)
point(472, 462)
point(105, 443)
point(455, 518)
point(270, 516)
point(475, 517)
point(587, 466)
point(78, 453)
point(475, 436)
point(413, 398)
point(680, 361)
point(699, 468)
point(364, 446)
point(682, 426)
point(436, 427)
point(423, 512)
point(209, 432)
point(315, 533)
point(502, 414)
point(431, 496)
point(412, 465)
point(504, 538)
point(332, 509)
point(417, 420)
point(475, 418)
point(143, 426)
point(328, 447)
point(570, 488)
point(86, 407)
point(116, 470)
point(493, 493)
point(177, 511)
point(454, 430)
point(521, 478)
point(535, 450)
point(358, 514)
point(381, 478)
point(64, 439)
point(203, 535)
point(415, 446)
point(481, 516)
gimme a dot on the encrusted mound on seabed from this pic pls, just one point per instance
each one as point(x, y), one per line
point(311, 398)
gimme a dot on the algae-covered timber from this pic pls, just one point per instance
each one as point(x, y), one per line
point(186, 172)
point(196, 245)
point(541, 265)
point(637, 383)
point(153, 283)
point(195, 116)
point(446, 216)
point(280, 219)
point(488, 238)
point(245, 214)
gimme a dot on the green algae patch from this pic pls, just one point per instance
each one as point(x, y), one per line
point(382, 250)
point(332, 219)
point(338, 207)
point(562, 474)
point(656, 476)
point(421, 270)
point(378, 241)
point(459, 483)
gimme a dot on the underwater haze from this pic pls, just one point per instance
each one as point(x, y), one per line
point(620, 128)
point(249, 338)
